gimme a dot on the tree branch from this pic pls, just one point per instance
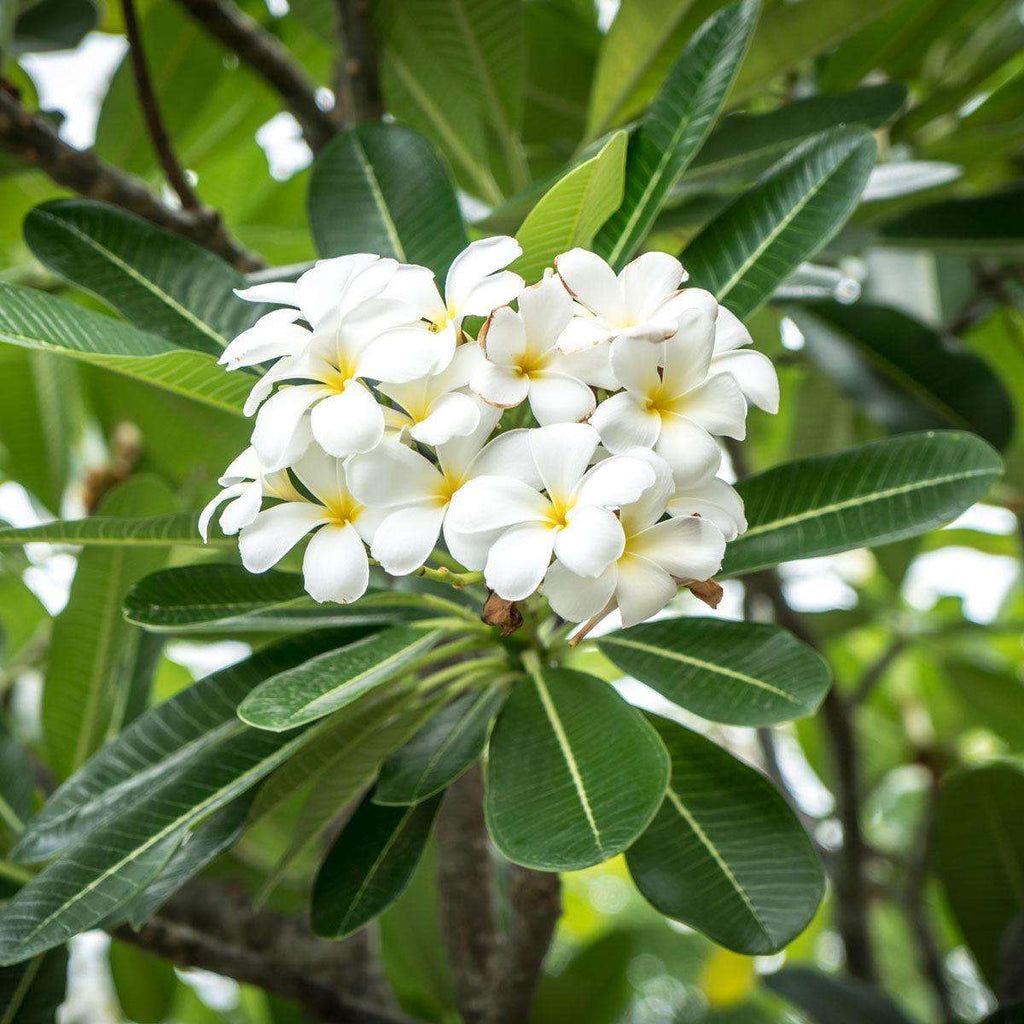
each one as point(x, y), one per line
point(33, 140)
point(264, 53)
point(466, 879)
point(214, 928)
point(877, 669)
point(357, 80)
point(173, 170)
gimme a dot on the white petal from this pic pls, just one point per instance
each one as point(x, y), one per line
point(692, 298)
point(592, 540)
point(503, 337)
point(282, 293)
point(470, 549)
point(451, 415)
point(690, 450)
point(276, 531)
point(717, 405)
point(494, 502)
point(648, 281)
point(590, 280)
point(278, 420)
point(501, 386)
point(755, 375)
point(367, 282)
point(546, 310)
point(519, 559)
point(688, 352)
point(323, 476)
point(456, 455)
point(557, 398)
point(416, 287)
point(686, 547)
point(244, 466)
point(714, 501)
point(650, 506)
point(730, 332)
point(287, 369)
point(508, 454)
point(335, 567)
point(229, 493)
point(349, 422)
point(275, 332)
point(582, 333)
point(321, 287)
point(243, 510)
point(577, 598)
point(391, 475)
point(406, 537)
point(405, 353)
point(635, 365)
point(562, 453)
point(624, 423)
point(476, 262)
point(614, 482)
point(642, 589)
point(494, 291)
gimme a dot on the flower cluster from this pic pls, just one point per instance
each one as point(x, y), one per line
point(378, 425)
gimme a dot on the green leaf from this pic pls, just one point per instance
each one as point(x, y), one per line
point(902, 372)
point(861, 497)
point(574, 774)
point(744, 145)
point(329, 682)
point(753, 245)
point(381, 188)
point(741, 673)
point(992, 223)
point(163, 741)
point(571, 211)
point(677, 123)
point(93, 651)
point(369, 865)
point(52, 25)
point(834, 999)
point(979, 857)
point(726, 854)
point(17, 780)
point(442, 750)
point(160, 282)
point(145, 984)
point(32, 992)
point(116, 532)
point(34, 320)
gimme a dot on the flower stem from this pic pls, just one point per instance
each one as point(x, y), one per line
point(443, 574)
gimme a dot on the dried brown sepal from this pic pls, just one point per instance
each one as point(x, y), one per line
point(708, 591)
point(499, 612)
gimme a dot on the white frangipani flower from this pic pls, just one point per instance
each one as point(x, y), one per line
point(573, 519)
point(633, 304)
point(657, 556)
point(245, 484)
point(335, 566)
point(416, 494)
point(711, 499)
point(675, 409)
point(477, 283)
point(524, 360)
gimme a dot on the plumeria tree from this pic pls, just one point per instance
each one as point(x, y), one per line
point(487, 436)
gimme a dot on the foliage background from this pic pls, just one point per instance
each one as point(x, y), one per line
point(925, 634)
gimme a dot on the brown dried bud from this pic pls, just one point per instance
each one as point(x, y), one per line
point(708, 591)
point(499, 612)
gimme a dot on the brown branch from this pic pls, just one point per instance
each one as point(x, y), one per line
point(35, 142)
point(270, 59)
point(208, 926)
point(357, 80)
point(158, 135)
point(466, 880)
point(536, 901)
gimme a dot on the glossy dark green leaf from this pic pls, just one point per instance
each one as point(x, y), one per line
point(32, 992)
point(904, 373)
point(17, 781)
point(742, 673)
point(329, 682)
point(160, 282)
point(833, 998)
point(119, 532)
point(726, 853)
point(381, 188)
point(873, 494)
point(992, 222)
point(145, 984)
point(35, 320)
point(979, 856)
point(574, 774)
point(750, 248)
point(52, 25)
point(163, 741)
point(676, 124)
point(369, 865)
point(442, 750)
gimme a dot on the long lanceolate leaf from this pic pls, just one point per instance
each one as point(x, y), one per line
point(862, 497)
point(162, 742)
point(678, 122)
point(116, 532)
point(35, 320)
point(754, 244)
point(158, 281)
point(726, 854)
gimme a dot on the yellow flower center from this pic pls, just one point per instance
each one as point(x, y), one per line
point(558, 513)
point(530, 363)
point(343, 510)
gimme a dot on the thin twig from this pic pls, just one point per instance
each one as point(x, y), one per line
point(264, 53)
point(173, 171)
point(877, 669)
point(35, 142)
point(357, 81)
